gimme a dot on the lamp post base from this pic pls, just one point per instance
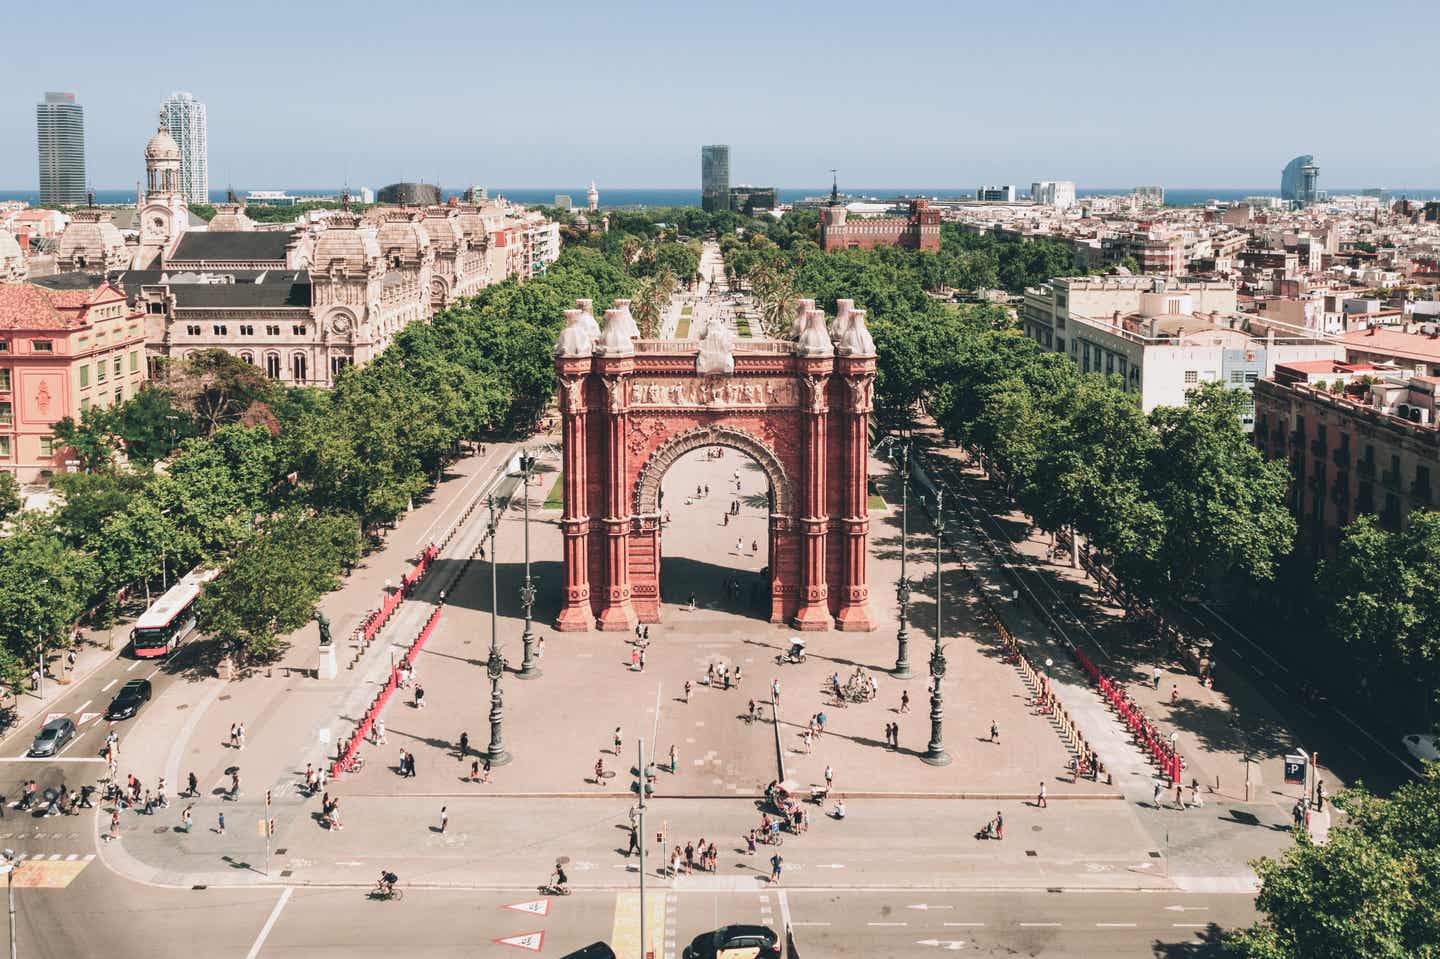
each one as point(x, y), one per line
point(502, 756)
point(942, 758)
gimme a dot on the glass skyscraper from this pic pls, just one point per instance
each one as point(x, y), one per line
point(185, 119)
point(60, 135)
point(715, 177)
point(1298, 180)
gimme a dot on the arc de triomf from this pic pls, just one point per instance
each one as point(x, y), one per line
point(799, 408)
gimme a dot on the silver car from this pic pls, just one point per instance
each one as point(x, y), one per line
point(53, 736)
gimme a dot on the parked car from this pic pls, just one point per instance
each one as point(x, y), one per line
point(53, 736)
point(596, 950)
point(735, 942)
point(1422, 746)
point(129, 699)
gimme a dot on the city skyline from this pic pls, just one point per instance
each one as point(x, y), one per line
point(378, 101)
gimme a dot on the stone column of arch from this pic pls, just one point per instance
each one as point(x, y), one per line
point(814, 611)
point(575, 611)
point(617, 613)
point(858, 379)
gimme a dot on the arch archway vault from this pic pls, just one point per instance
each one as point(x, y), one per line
point(629, 413)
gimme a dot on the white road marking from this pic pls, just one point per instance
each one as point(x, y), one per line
point(52, 759)
point(108, 685)
point(270, 923)
point(784, 910)
point(1188, 925)
point(798, 924)
point(81, 707)
point(1039, 925)
point(887, 924)
point(968, 925)
point(132, 666)
point(154, 671)
point(1116, 925)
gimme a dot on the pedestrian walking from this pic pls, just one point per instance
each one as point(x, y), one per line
point(687, 691)
point(194, 785)
point(737, 675)
point(234, 785)
point(692, 602)
point(474, 770)
point(186, 819)
point(485, 770)
point(999, 825)
point(219, 822)
point(1155, 674)
point(464, 745)
point(634, 833)
point(380, 732)
point(240, 732)
point(776, 865)
point(829, 777)
point(600, 771)
point(750, 843)
point(1174, 693)
point(1179, 797)
point(618, 740)
point(725, 677)
point(1319, 794)
point(234, 736)
point(419, 696)
point(674, 759)
point(1195, 799)
point(642, 660)
point(905, 701)
point(775, 691)
point(444, 818)
point(634, 659)
point(1040, 800)
point(1156, 797)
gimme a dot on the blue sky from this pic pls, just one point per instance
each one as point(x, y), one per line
point(306, 93)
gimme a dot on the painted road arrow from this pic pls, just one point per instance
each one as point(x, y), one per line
point(954, 945)
point(536, 907)
point(530, 940)
point(925, 906)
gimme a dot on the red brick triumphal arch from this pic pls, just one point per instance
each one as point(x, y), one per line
point(799, 408)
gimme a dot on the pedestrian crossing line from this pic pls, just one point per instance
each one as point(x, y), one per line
point(49, 871)
point(625, 933)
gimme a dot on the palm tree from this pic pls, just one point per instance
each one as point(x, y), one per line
point(777, 294)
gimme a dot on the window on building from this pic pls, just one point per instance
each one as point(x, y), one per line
point(338, 363)
point(85, 376)
point(1251, 376)
point(84, 403)
point(1192, 376)
point(272, 365)
point(192, 329)
point(298, 368)
point(272, 329)
point(1124, 368)
point(298, 329)
point(134, 361)
point(47, 446)
point(42, 346)
point(1237, 376)
point(119, 365)
point(219, 329)
point(155, 306)
point(4, 380)
point(7, 413)
point(120, 396)
point(4, 346)
point(248, 358)
point(246, 329)
point(100, 371)
point(4, 447)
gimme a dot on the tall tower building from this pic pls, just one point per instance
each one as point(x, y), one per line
point(60, 135)
point(185, 119)
point(593, 196)
point(1298, 181)
point(715, 177)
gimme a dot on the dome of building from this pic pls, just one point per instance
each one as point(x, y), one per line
point(91, 242)
point(856, 340)
point(401, 235)
point(574, 339)
point(162, 146)
point(343, 245)
point(13, 266)
point(443, 227)
point(813, 339)
point(587, 318)
point(620, 330)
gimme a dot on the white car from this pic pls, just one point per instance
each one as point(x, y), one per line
point(1422, 746)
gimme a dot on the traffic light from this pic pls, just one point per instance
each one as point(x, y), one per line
point(272, 827)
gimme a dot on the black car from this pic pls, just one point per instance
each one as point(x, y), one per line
point(129, 699)
point(736, 942)
point(596, 950)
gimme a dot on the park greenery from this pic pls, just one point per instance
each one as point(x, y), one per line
point(1369, 890)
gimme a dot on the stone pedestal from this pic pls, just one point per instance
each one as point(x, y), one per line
point(328, 668)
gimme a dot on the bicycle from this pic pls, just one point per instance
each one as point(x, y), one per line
point(383, 892)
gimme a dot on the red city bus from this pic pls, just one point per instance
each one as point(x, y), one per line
point(171, 618)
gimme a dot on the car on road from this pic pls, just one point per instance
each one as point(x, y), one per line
point(53, 736)
point(735, 942)
point(1422, 746)
point(596, 950)
point(129, 699)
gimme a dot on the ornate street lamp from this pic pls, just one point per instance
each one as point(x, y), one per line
point(902, 588)
point(935, 753)
point(529, 667)
point(495, 664)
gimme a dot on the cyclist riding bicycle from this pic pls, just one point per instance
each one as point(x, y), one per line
point(387, 882)
point(558, 878)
